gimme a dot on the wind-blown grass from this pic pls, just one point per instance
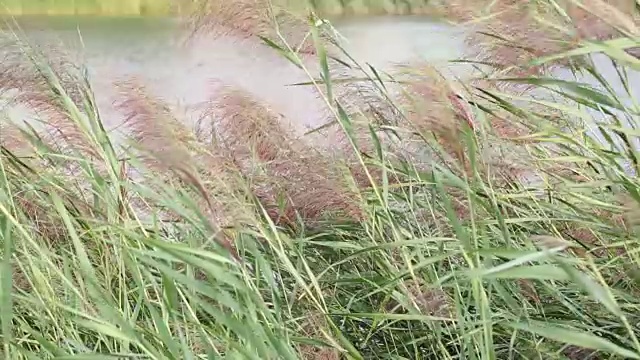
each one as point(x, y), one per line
point(501, 231)
point(539, 28)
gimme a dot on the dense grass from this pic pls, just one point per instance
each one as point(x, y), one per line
point(455, 220)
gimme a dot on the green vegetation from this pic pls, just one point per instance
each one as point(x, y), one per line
point(169, 7)
point(91, 7)
point(362, 7)
point(491, 227)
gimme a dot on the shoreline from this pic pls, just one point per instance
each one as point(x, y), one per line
point(163, 8)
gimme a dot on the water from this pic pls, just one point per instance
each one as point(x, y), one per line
point(184, 74)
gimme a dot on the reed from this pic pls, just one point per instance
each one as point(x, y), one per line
point(405, 245)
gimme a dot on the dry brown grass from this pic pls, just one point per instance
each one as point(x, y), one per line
point(630, 218)
point(579, 353)
point(44, 223)
point(310, 352)
point(31, 198)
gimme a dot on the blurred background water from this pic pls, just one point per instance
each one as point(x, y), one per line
point(153, 50)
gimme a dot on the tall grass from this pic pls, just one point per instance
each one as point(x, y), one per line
point(469, 221)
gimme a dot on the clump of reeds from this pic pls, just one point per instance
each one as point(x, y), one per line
point(430, 106)
point(167, 148)
point(39, 214)
point(12, 139)
point(164, 141)
point(246, 19)
point(506, 35)
point(603, 20)
point(248, 127)
point(336, 279)
point(452, 119)
point(358, 92)
point(291, 179)
point(513, 34)
point(368, 109)
point(359, 150)
point(244, 139)
point(49, 85)
point(25, 170)
point(434, 108)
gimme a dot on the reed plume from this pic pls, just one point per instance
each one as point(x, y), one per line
point(435, 108)
point(603, 20)
point(506, 35)
point(246, 19)
point(170, 150)
point(13, 140)
point(290, 178)
point(49, 84)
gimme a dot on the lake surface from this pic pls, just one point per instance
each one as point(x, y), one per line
point(184, 74)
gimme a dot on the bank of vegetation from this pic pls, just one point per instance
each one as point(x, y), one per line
point(445, 220)
point(92, 7)
point(121, 8)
